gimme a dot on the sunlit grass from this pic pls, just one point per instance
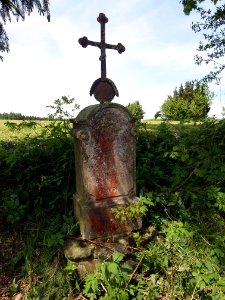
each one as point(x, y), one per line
point(157, 122)
point(152, 124)
point(7, 134)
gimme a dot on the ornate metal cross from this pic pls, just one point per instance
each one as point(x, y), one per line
point(100, 87)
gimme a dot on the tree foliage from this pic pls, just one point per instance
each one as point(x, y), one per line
point(18, 9)
point(190, 5)
point(212, 25)
point(19, 116)
point(136, 110)
point(189, 102)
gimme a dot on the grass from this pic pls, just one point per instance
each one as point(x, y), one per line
point(152, 124)
point(8, 134)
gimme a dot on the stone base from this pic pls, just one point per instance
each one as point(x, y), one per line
point(85, 254)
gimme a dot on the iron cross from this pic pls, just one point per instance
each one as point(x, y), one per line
point(102, 19)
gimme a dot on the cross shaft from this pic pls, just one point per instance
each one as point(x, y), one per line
point(102, 45)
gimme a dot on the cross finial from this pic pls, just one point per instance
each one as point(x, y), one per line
point(103, 88)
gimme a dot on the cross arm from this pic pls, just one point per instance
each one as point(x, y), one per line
point(84, 42)
point(119, 47)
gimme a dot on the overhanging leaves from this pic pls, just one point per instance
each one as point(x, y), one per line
point(18, 9)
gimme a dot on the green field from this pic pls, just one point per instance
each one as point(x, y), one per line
point(8, 134)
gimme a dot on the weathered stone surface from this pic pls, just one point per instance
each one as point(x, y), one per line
point(107, 249)
point(85, 254)
point(77, 250)
point(86, 267)
point(82, 250)
point(104, 137)
point(149, 234)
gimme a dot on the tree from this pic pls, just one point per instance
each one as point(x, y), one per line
point(190, 5)
point(212, 25)
point(18, 9)
point(136, 110)
point(191, 102)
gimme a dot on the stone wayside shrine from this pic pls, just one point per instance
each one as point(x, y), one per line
point(104, 142)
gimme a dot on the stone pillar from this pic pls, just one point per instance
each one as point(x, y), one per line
point(104, 141)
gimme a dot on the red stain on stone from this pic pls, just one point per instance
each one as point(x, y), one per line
point(105, 169)
point(106, 183)
point(102, 220)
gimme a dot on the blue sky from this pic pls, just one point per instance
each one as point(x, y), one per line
point(46, 61)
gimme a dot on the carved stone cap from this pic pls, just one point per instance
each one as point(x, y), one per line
point(85, 114)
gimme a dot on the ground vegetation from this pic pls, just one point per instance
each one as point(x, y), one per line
point(178, 254)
